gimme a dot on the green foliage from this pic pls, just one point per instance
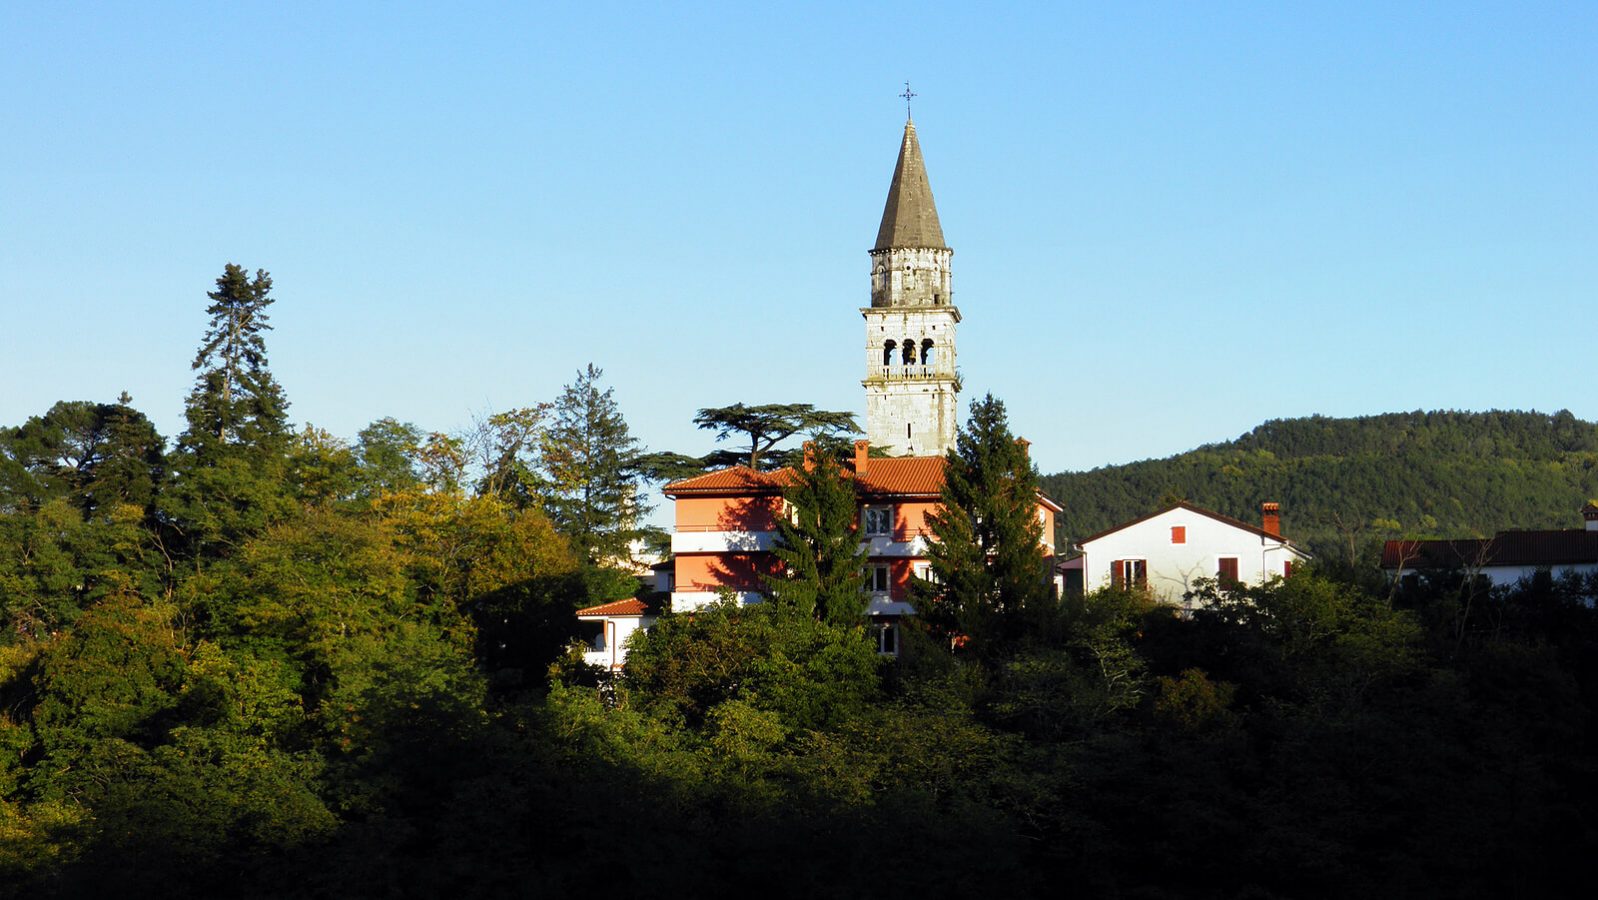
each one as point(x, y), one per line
point(773, 658)
point(97, 455)
point(1347, 484)
point(819, 547)
point(989, 583)
point(590, 458)
point(229, 465)
point(765, 425)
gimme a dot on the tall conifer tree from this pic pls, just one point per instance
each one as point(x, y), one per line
point(229, 462)
point(591, 458)
point(988, 571)
point(819, 547)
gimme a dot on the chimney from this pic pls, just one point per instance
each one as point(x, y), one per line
point(862, 453)
point(1590, 514)
point(1271, 518)
point(1026, 447)
point(810, 456)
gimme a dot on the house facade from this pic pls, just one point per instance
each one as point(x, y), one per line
point(1507, 558)
point(1167, 551)
point(726, 529)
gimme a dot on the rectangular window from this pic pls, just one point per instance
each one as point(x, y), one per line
point(1178, 534)
point(1226, 570)
point(878, 520)
point(1129, 573)
point(878, 579)
point(887, 635)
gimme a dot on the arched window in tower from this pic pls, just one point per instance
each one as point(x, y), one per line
point(909, 352)
point(927, 352)
point(887, 352)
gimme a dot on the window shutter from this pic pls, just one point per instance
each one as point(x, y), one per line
point(1116, 578)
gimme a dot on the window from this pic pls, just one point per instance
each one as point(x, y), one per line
point(909, 352)
point(887, 352)
point(1129, 573)
point(1287, 569)
point(1226, 570)
point(887, 635)
point(1178, 534)
point(878, 520)
point(927, 345)
point(878, 579)
point(924, 572)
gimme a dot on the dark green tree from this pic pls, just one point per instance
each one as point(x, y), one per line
point(229, 463)
point(819, 547)
point(590, 462)
point(766, 425)
point(987, 564)
point(96, 454)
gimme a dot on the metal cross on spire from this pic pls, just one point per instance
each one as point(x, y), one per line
point(907, 95)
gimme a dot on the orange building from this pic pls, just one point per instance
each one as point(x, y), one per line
point(726, 525)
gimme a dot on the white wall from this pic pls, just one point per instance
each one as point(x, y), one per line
point(610, 649)
point(1172, 568)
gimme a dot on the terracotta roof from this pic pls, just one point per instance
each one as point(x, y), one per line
point(616, 608)
point(1183, 504)
point(909, 218)
point(903, 475)
point(896, 476)
point(1507, 548)
point(736, 480)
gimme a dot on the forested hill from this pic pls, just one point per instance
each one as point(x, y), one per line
point(1351, 482)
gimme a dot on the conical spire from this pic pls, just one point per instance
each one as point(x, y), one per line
point(910, 219)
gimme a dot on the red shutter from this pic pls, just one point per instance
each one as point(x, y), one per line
point(1227, 572)
point(1178, 534)
point(1116, 578)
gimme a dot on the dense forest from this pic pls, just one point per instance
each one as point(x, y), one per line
point(261, 661)
point(1347, 484)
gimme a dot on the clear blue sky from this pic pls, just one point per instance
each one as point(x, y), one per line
point(1171, 221)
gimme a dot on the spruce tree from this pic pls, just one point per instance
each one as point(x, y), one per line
point(987, 566)
point(590, 460)
point(819, 547)
point(229, 463)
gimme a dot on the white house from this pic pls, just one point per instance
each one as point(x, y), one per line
point(1167, 551)
point(616, 622)
point(1505, 558)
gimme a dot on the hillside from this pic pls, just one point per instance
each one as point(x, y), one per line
point(1352, 482)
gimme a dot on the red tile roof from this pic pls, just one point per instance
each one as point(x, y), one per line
point(616, 608)
point(736, 480)
point(903, 475)
point(897, 476)
point(1507, 548)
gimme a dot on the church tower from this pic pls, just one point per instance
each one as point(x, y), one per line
point(912, 392)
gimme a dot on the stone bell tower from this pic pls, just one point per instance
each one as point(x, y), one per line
point(912, 392)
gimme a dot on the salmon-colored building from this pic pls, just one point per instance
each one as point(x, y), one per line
point(726, 526)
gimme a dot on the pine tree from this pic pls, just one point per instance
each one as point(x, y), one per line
point(590, 459)
point(988, 569)
point(229, 463)
point(819, 548)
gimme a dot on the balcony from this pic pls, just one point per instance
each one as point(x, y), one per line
point(911, 372)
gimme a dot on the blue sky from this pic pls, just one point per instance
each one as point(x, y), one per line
point(1171, 221)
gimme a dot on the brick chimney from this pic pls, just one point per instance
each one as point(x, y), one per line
point(1590, 514)
point(810, 456)
point(862, 454)
point(1271, 518)
point(1026, 447)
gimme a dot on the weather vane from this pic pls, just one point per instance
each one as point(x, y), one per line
point(907, 95)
